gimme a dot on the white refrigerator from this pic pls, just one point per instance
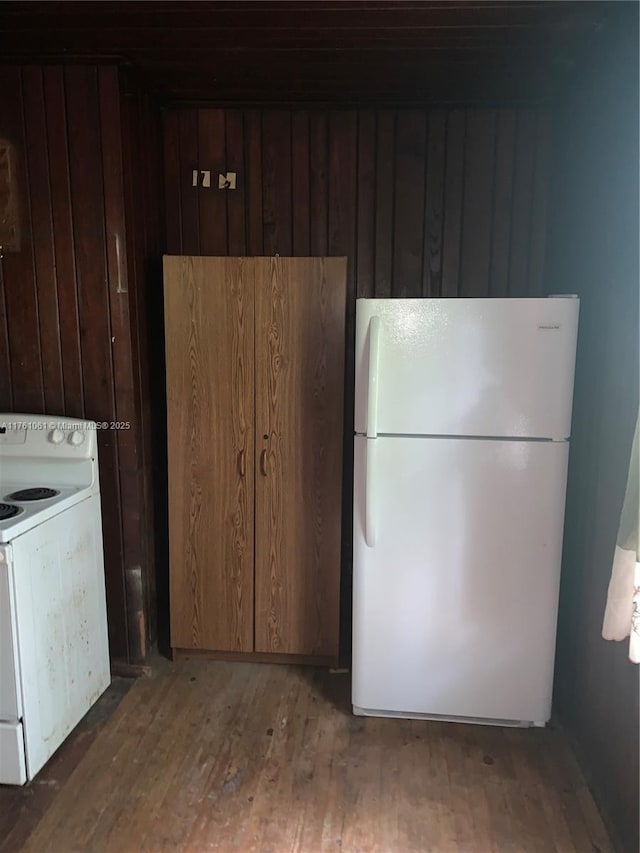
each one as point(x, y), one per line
point(462, 424)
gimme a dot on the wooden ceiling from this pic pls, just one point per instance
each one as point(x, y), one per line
point(288, 52)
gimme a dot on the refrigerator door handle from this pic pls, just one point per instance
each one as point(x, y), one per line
point(372, 395)
point(370, 532)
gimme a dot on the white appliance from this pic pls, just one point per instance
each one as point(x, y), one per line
point(462, 421)
point(54, 656)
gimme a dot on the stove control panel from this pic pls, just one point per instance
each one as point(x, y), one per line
point(46, 437)
point(12, 436)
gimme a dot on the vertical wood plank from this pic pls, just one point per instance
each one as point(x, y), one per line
point(409, 203)
point(538, 230)
point(502, 193)
point(477, 203)
point(6, 391)
point(209, 317)
point(343, 188)
point(172, 170)
point(127, 441)
point(385, 157)
point(42, 234)
point(151, 364)
point(452, 228)
point(141, 169)
point(276, 176)
point(366, 191)
point(236, 224)
point(319, 182)
point(521, 205)
point(189, 195)
point(299, 397)
point(253, 147)
point(300, 182)
point(434, 204)
point(18, 267)
point(95, 333)
point(67, 283)
point(212, 202)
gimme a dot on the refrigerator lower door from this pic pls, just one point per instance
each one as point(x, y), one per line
point(455, 602)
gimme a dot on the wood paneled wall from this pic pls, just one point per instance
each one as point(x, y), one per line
point(593, 251)
point(66, 311)
point(422, 202)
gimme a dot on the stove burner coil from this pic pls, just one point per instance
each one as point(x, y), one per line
point(8, 511)
point(39, 493)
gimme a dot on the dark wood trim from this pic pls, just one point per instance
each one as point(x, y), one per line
point(255, 657)
point(120, 669)
point(128, 441)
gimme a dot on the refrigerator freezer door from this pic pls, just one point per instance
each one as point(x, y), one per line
point(455, 605)
point(475, 367)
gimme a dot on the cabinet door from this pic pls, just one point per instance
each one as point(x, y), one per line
point(300, 316)
point(209, 306)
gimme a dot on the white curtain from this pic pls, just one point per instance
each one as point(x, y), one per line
point(622, 613)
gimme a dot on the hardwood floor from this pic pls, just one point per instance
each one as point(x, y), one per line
point(22, 808)
point(212, 755)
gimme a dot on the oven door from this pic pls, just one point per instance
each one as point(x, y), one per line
point(12, 756)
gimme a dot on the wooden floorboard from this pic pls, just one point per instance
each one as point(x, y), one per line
point(214, 755)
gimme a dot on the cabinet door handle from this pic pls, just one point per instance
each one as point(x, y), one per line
point(263, 463)
point(242, 466)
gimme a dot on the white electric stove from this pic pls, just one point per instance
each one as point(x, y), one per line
point(54, 655)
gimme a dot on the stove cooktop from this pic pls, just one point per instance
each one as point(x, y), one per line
point(8, 511)
point(34, 493)
point(24, 507)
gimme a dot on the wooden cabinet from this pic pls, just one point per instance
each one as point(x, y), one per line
point(255, 369)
